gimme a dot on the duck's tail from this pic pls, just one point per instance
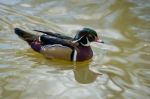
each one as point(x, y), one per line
point(28, 37)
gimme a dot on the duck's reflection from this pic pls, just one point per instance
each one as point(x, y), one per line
point(83, 74)
point(81, 70)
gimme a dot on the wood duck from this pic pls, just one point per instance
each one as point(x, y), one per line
point(58, 46)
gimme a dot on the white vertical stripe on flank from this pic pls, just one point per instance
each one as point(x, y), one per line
point(39, 38)
point(75, 56)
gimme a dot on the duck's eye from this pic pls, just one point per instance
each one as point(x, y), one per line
point(90, 37)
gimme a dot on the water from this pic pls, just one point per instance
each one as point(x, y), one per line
point(119, 69)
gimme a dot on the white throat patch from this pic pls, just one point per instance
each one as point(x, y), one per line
point(88, 42)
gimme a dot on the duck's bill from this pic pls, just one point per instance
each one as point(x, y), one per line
point(98, 40)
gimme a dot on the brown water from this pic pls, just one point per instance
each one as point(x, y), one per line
point(120, 69)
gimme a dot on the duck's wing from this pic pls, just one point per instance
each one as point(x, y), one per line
point(48, 40)
point(55, 35)
point(54, 47)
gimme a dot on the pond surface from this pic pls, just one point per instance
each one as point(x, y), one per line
point(120, 68)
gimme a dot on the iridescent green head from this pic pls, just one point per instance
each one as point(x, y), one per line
point(85, 36)
point(85, 32)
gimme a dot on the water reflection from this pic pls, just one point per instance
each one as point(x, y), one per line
point(83, 74)
point(81, 70)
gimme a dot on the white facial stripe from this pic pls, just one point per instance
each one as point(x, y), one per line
point(88, 42)
point(75, 56)
point(78, 39)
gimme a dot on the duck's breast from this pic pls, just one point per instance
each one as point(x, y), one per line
point(85, 53)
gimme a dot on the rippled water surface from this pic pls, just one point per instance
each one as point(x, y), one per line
point(120, 68)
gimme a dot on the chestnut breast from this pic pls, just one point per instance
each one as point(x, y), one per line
point(84, 53)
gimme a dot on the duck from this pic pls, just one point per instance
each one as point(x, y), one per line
point(59, 46)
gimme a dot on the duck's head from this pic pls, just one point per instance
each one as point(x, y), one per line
point(85, 36)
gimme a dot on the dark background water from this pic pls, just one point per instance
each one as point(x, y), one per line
point(119, 69)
